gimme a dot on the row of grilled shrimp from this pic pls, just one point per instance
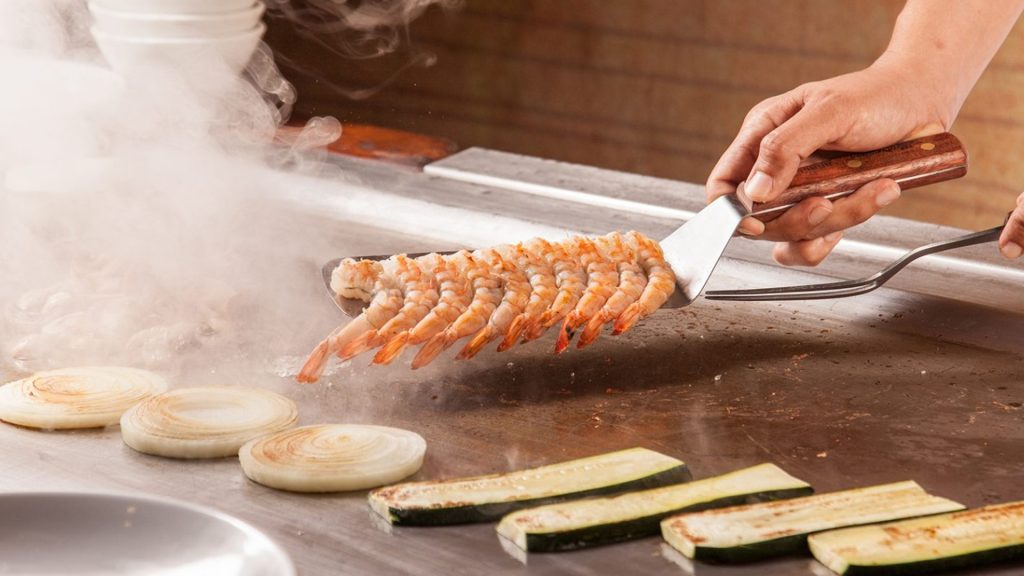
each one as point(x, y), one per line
point(508, 293)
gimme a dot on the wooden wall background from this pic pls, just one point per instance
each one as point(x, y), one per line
point(656, 87)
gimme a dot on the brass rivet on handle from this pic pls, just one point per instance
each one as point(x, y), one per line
point(928, 146)
point(854, 163)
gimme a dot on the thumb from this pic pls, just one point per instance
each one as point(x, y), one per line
point(783, 149)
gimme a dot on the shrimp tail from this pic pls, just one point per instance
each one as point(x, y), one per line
point(432, 348)
point(520, 325)
point(477, 343)
point(592, 330)
point(366, 341)
point(540, 326)
point(392, 349)
point(317, 359)
point(627, 319)
point(315, 363)
point(568, 330)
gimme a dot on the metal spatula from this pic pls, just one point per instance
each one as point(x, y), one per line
point(694, 249)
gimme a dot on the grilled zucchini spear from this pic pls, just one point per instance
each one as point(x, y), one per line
point(923, 545)
point(584, 523)
point(746, 533)
point(484, 498)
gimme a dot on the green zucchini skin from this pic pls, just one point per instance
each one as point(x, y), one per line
point(974, 559)
point(795, 544)
point(494, 511)
point(647, 526)
point(785, 546)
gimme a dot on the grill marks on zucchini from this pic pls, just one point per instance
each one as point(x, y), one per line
point(944, 542)
point(747, 533)
point(484, 498)
point(586, 523)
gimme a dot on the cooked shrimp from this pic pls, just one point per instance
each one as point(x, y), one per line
point(511, 267)
point(632, 281)
point(387, 299)
point(542, 281)
point(420, 296)
point(571, 280)
point(661, 282)
point(487, 293)
point(455, 295)
point(602, 278)
point(355, 279)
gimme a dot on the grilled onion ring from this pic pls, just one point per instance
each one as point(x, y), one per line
point(333, 457)
point(85, 397)
point(206, 422)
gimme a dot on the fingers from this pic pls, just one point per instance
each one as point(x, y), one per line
point(806, 252)
point(817, 217)
point(735, 164)
point(751, 227)
point(783, 149)
point(1011, 243)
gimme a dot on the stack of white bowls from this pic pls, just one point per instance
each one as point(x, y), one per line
point(186, 34)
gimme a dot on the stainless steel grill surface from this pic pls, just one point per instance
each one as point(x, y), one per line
point(921, 380)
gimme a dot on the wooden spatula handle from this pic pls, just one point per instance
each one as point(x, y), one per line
point(912, 163)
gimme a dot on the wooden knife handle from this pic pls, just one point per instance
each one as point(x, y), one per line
point(911, 164)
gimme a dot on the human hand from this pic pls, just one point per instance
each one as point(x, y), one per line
point(1011, 243)
point(861, 111)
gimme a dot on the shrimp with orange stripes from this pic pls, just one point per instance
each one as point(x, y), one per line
point(661, 282)
point(531, 258)
point(419, 294)
point(632, 282)
point(602, 279)
point(571, 280)
point(510, 264)
point(354, 281)
point(455, 295)
point(487, 293)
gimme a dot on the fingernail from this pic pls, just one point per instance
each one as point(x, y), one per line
point(759, 187)
point(1012, 250)
point(887, 196)
point(833, 237)
point(818, 215)
point(751, 227)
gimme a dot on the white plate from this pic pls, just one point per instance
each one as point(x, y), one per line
point(89, 534)
point(161, 25)
point(176, 6)
point(200, 55)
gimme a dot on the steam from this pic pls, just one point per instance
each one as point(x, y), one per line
point(358, 30)
point(353, 28)
point(134, 227)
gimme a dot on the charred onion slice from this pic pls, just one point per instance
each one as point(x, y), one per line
point(333, 457)
point(206, 422)
point(84, 397)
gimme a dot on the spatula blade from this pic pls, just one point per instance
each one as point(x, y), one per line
point(694, 249)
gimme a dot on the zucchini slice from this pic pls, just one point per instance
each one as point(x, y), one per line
point(585, 523)
point(484, 498)
point(747, 533)
point(944, 542)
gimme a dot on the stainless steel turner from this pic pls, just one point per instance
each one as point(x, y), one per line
point(695, 248)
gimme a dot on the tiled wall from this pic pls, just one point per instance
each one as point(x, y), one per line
point(651, 86)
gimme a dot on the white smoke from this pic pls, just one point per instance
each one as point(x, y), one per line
point(132, 228)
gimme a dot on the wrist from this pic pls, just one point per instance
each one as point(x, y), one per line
point(932, 89)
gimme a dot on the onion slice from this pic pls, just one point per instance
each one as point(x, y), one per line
point(333, 457)
point(70, 398)
point(205, 422)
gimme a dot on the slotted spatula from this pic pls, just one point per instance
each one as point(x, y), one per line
point(694, 248)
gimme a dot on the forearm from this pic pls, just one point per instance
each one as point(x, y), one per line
point(946, 45)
